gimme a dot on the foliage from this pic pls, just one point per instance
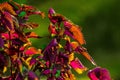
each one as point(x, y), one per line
point(20, 60)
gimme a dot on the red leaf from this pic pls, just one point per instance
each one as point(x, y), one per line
point(52, 29)
point(32, 51)
point(7, 21)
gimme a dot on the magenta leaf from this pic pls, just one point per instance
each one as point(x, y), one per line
point(51, 11)
point(99, 74)
point(32, 76)
point(77, 66)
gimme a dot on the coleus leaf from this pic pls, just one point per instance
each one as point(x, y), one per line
point(32, 61)
point(6, 7)
point(32, 51)
point(72, 77)
point(68, 76)
point(76, 47)
point(26, 62)
point(20, 66)
point(74, 44)
point(27, 7)
point(99, 73)
point(68, 33)
point(7, 21)
point(32, 76)
point(71, 57)
point(21, 35)
point(49, 52)
point(77, 66)
point(17, 42)
point(87, 56)
point(77, 34)
point(37, 13)
point(52, 29)
point(32, 35)
point(19, 77)
point(59, 78)
point(74, 32)
point(30, 10)
point(53, 43)
point(9, 37)
point(68, 47)
point(51, 12)
point(29, 25)
point(54, 17)
point(11, 50)
point(46, 72)
point(1, 42)
point(63, 58)
point(22, 48)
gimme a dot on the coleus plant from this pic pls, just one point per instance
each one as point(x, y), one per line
point(19, 60)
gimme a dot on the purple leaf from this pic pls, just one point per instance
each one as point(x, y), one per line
point(49, 52)
point(68, 47)
point(45, 72)
point(1, 42)
point(33, 61)
point(19, 77)
point(67, 32)
point(32, 76)
point(62, 58)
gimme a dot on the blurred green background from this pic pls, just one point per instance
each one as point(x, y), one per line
point(100, 22)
